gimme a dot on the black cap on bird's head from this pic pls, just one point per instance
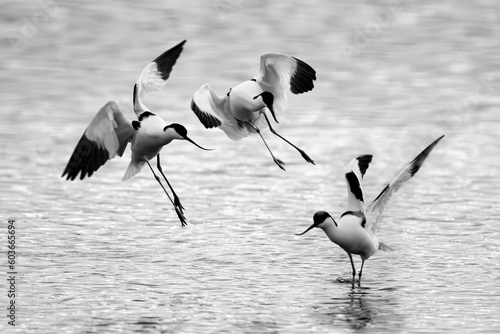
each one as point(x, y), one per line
point(318, 218)
point(180, 129)
point(182, 132)
point(268, 99)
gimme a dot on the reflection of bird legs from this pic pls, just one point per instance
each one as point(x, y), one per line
point(359, 313)
point(276, 160)
point(304, 155)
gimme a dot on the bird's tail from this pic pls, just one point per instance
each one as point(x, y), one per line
point(133, 168)
point(384, 247)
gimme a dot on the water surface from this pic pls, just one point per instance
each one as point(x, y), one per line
point(108, 256)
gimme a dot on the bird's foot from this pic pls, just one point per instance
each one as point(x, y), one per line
point(306, 157)
point(280, 164)
point(341, 280)
point(348, 280)
point(177, 203)
point(181, 217)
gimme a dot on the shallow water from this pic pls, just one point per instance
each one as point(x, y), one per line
point(108, 256)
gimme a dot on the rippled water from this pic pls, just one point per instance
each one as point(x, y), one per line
point(108, 256)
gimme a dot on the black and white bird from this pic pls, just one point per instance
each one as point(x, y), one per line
point(110, 131)
point(238, 113)
point(355, 230)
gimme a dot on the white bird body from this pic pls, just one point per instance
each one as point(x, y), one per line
point(150, 138)
point(110, 131)
point(355, 231)
point(242, 104)
point(351, 236)
point(146, 144)
point(239, 112)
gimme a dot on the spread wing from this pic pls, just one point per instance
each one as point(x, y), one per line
point(154, 76)
point(214, 111)
point(106, 136)
point(376, 208)
point(354, 173)
point(281, 73)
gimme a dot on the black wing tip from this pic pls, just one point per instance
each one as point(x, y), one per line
point(85, 160)
point(167, 59)
point(415, 164)
point(303, 66)
point(208, 120)
point(178, 48)
point(68, 177)
point(173, 50)
point(71, 175)
point(364, 162)
point(365, 156)
point(434, 143)
point(302, 79)
point(419, 159)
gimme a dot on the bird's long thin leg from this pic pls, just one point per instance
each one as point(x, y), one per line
point(276, 160)
point(177, 210)
point(353, 268)
point(304, 155)
point(177, 201)
point(361, 270)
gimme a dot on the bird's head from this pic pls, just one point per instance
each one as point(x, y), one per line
point(268, 99)
point(320, 219)
point(178, 131)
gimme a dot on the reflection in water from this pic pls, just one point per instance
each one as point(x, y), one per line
point(358, 312)
point(361, 307)
point(145, 324)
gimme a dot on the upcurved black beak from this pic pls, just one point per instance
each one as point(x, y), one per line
point(310, 228)
point(192, 142)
